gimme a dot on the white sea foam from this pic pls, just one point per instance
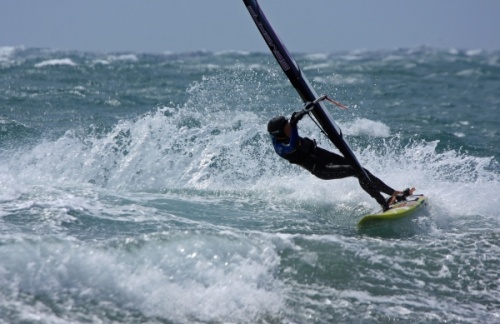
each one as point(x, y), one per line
point(122, 57)
point(468, 72)
point(391, 58)
point(316, 66)
point(100, 61)
point(55, 62)
point(317, 56)
point(6, 53)
point(156, 151)
point(363, 126)
point(473, 52)
point(180, 277)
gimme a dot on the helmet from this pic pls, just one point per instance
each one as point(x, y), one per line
point(276, 126)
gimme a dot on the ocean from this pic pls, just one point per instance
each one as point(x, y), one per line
point(143, 188)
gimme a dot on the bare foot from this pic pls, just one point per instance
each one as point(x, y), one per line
point(397, 193)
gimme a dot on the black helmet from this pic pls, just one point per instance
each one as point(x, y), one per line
point(276, 126)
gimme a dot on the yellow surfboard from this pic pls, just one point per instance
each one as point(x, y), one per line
point(398, 210)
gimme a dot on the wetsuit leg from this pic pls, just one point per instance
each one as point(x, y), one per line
point(333, 166)
point(373, 188)
point(379, 184)
point(329, 166)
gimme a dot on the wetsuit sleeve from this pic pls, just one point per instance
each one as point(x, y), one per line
point(294, 137)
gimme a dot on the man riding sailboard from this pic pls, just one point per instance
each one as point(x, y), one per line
point(324, 164)
point(303, 151)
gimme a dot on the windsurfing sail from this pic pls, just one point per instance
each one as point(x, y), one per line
point(302, 85)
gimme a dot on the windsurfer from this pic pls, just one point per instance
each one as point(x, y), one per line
point(322, 163)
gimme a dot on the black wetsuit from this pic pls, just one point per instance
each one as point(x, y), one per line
point(325, 164)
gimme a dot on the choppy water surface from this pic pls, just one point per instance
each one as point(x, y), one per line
point(143, 188)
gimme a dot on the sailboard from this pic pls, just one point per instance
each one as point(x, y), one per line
point(323, 118)
point(398, 210)
point(302, 85)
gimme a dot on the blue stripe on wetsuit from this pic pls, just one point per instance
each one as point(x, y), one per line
point(284, 149)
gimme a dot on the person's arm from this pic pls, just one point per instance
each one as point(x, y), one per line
point(294, 134)
point(294, 137)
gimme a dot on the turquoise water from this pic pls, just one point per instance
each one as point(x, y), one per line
point(142, 187)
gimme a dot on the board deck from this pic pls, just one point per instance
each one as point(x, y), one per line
point(397, 211)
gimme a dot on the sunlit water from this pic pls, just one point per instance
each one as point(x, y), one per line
point(143, 188)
